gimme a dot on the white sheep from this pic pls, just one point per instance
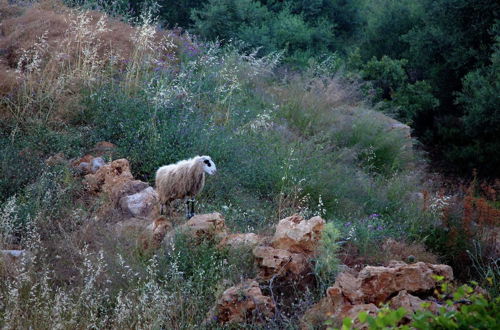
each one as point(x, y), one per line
point(183, 180)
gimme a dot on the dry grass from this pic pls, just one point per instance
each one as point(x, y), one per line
point(50, 52)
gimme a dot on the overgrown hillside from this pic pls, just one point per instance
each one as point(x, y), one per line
point(433, 64)
point(308, 143)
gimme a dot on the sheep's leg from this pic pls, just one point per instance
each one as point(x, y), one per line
point(189, 208)
point(192, 208)
point(188, 213)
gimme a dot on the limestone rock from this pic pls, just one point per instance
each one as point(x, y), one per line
point(209, 226)
point(297, 235)
point(410, 303)
point(154, 234)
point(96, 164)
point(83, 168)
point(281, 263)
point(379, 283)
point(243, 303)
point(373, 286)
point(140, 204)
point(109, 176)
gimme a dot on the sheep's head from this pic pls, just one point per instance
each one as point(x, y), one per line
point(208, 165)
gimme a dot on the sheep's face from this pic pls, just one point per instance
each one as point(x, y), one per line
point(208, 165)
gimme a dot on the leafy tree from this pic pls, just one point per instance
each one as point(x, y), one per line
point(480, 100)
point(387, 75)
point(386, 22)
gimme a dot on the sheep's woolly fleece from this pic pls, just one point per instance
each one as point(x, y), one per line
point(185, 178)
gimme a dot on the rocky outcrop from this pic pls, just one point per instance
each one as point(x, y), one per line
point(373, 286)
point(140, 204)
point(242, 303)
point(206, 226)
point(297, 235)
point(410, 302)
point(294, 242)
point(280, 263)
point(131, 198)
point(110, 177)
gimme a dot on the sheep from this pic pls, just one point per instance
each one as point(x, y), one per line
point(183, 180)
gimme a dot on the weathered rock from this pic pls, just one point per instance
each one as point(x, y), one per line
point(207, 226)
point(161, 226)
point(280, 263)
point(376, 284)
point(83, 168)
point(125, 188)
point(109, 177)
point(297, 235)
point(410, 303)
point(373, 286)
point(241, 240)
point(154, 234)
point(140, 204)
point(96, 164)
point(243, 303)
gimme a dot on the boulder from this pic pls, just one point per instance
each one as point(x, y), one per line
point(297, 235)
point(109, 176)
point(243, 303)
point(373, 286)
point(206, 226)
point(154, 234)
point(96, 164)
point(376, 284)
point(241, 240)
point(140, 204)
point(410, 303)
point(280, 263)
point(83, 168)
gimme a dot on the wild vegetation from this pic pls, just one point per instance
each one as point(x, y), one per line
point(311, 140)
point(434, 64)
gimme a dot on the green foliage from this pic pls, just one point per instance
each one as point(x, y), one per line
point(386, 74)
point(386, 22)
point(411, 100)
point(326, 263)
point(258, 27)
point(479, 99)
point(23, 150)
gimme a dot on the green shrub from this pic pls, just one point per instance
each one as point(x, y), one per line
point(326, 263)
point(413, 100)
point(386, 74)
